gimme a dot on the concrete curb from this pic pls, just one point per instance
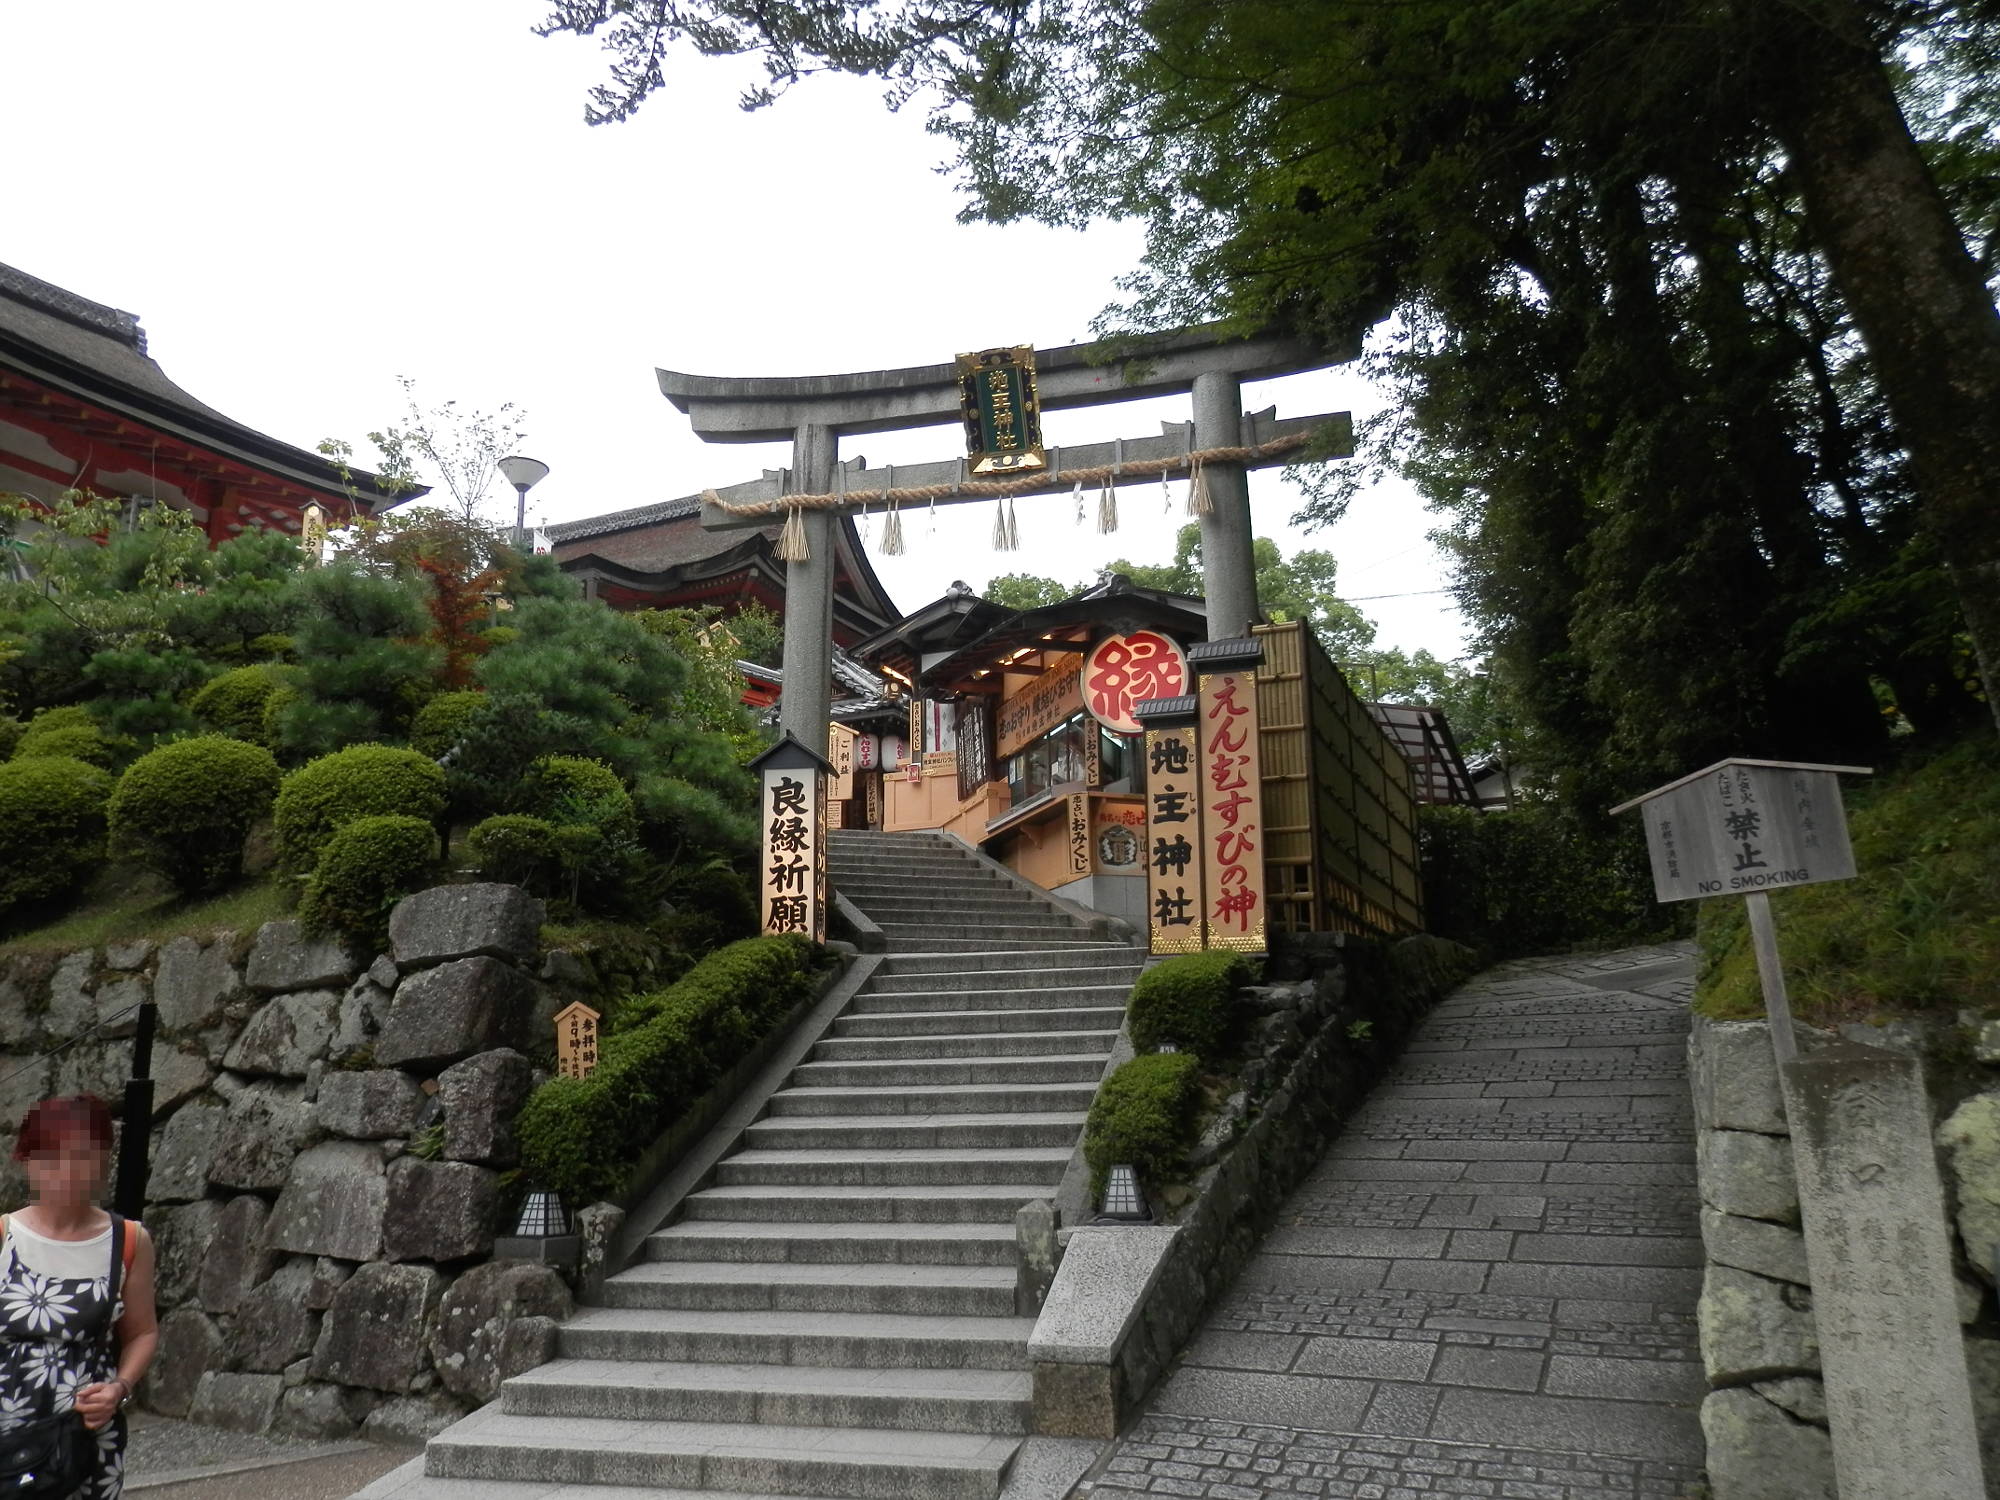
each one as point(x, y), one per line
point(160, 1480)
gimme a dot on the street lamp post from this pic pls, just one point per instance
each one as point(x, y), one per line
point(524, 474)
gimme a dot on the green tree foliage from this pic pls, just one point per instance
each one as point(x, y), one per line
point(51, 829)
point(1189, 1001)
point(1693, 351)
point(1026, 591)
point(364, 666)
point(66, 733)
point(234, 702)
point(441, 722)
point(186, 808)
point(515, 848)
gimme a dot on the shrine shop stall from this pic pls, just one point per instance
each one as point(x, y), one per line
point(1287, 809)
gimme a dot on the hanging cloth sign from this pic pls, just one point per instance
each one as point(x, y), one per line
point(1003, 415)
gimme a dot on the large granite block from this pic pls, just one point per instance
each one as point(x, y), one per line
point(465, 921)
point(444, 1014)
point(481, 1096)
point(334, 1203)
point(378, 1327)
point(380, 1104)
point(284, 959)
point(439, 1210)
point(286, 1035)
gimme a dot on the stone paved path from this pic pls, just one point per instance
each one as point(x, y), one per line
point(1487, 1287)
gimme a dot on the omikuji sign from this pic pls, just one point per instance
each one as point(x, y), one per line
point(792, 810)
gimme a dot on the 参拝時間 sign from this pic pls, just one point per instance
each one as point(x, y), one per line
point(1745, 825)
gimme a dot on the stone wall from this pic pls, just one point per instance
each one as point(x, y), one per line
point(1765, 1417)
point(328, 1146)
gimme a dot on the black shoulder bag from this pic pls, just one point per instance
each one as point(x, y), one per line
point(54, 1456)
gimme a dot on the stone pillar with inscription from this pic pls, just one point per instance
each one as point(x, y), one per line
point(1898, 1404)
point(1172, 854)
point(791, 810)
point(1232, 798)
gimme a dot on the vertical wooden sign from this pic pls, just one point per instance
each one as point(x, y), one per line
point(1232, 810)
point(576, 1041)
point(794, 865)
point(1173, 850)
point(1079, 834)
point(840, 755)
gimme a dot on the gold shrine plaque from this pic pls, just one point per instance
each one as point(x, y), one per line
point(1002, 411)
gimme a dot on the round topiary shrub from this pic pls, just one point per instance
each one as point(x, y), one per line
point(439, 723)
point(234, 703)
point(1188, 1001)
point(66, 734)
point(363, 780)
point(186, 808)
point(11, 730)
point(1143, 1116)
point(571, 792)
point(513, 847)
point(51, 827)
point(367, 866)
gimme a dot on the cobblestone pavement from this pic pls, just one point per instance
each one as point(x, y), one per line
point(1487, 1287)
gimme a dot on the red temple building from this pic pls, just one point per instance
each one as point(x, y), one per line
point(83, 406)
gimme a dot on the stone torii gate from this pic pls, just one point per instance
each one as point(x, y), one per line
point(816, 411)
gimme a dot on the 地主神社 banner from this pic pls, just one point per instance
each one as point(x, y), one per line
point(1173, 849)
point(1232, 810)
point(793, 875)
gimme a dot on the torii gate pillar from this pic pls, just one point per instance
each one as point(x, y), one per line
point(1228, 563)
point(803, 708)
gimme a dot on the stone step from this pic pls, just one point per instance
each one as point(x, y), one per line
point(944, 1072)
point(1010, 963)
point(824, 1244)
point(1034, 992)
point(946, 924)
point(849, 1166)
point(968, 1044)
point(1033, 1098)
point(901, 1023)
point(921, 898)
point(990, 1401)
point(987, 946)
point(744, 1286)
point(899, 882)
point(947, 1132)
point(940, 1203)
point(894, 865)
point(851, 1463)
point(874, 1341)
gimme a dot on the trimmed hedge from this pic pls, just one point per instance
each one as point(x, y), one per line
point(1188, 1001)
point(1144, 1116)
point(11, 730)
point(514, 848)
point(368, 865)
point(581, 1136)
point(186, 808)
point(361, 781)
point(436, 729)
point(234, 703)
point(51, 827)
point(65, 734)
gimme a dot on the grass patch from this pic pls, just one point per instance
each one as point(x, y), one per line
point(1918, 930)
point(126, 903)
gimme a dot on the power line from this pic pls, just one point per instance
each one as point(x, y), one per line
point(1413, 594)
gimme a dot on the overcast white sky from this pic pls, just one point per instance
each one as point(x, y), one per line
point(305, 202)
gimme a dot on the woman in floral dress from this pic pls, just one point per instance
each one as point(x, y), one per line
point(57, 1311)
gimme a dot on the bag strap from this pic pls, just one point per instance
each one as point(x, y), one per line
point(120, 1258)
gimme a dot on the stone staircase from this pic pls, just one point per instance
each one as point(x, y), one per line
point(833, 1315)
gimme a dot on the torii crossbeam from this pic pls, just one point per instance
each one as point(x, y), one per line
point(816, 411)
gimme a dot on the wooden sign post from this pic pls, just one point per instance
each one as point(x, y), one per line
point(1232, 792)
point(1171, 855)
point(1748, 827)
point(576, 1041)
point(792, 810)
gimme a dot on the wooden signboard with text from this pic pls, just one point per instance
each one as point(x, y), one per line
point(840, 755)
point(576, 1041)
point(793, 880)
point(1232, 810)
point(1173, 841)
